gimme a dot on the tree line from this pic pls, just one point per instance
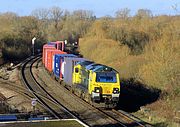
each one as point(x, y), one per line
point(51, 24)
point(45, 24)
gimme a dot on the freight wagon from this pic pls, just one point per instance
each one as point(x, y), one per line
point(45, 47)
point(59, 45)
point(49, 64)
point(58, 69)
point(69, 63)
point(91, 81)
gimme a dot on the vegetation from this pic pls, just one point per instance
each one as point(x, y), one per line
point(143, 48)
point(45, 24)
point(16, 35)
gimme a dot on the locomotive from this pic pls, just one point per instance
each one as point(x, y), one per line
point(93, 82)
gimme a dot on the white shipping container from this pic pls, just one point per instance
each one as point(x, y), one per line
point(69, 63)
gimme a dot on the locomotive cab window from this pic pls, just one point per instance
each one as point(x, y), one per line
point(106, 77)
point(76, 70)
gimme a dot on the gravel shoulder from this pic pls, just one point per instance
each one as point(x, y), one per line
point(11, 99)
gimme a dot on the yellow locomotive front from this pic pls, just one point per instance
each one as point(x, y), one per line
point(104, 85)
point(97, 82)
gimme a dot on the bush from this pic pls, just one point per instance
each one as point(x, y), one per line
point(103, 50)
point(162, 67)
point(135, 40)
point(111, 53)
point(14, 48)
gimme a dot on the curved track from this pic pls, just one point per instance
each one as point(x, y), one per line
point(43, 97)
point(79, 109)
point(97, 116)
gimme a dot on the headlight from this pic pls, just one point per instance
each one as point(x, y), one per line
point(96, 89)
point(115, 90)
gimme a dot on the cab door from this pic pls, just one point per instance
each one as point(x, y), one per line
point(77, 75)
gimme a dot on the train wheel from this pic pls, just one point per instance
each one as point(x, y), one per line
point(78, 93)
point(82, 94)
point(86, 98)
point(75, 91)
point(72, 89)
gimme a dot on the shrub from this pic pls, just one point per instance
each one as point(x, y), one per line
point(14, 48)
point(162, 67)
point(103, 50)
point(135, 40)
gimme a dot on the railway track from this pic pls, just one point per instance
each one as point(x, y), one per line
point(44, 98)
point(125, 118)
point(99, 116)
point(17, 89)
point(23, 91)
point(79, 109)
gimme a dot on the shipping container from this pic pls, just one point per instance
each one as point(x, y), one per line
point(50, 58)
point(45, 47)
point(4, 118)
point(46, 54)
point(69, 63)
point(59, 45)
point(58, 69)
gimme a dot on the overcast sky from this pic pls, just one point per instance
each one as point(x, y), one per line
point(99, 7)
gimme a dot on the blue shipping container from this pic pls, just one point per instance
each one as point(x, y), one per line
point(59, 65)
point(8, 118)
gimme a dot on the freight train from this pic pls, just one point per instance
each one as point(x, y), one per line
point(95, 83)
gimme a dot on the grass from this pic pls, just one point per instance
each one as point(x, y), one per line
point(63, 123)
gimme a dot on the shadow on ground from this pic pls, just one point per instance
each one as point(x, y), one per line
point(135, 94)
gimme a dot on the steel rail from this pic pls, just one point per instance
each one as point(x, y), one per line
point(49, 96)
point(25, 81)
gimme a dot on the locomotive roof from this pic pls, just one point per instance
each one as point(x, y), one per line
point(100, 68)
point(103, 68)
point(62, 55)
point(92, 66)
point(85, 63)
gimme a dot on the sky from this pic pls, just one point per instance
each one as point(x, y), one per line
point(99, 7)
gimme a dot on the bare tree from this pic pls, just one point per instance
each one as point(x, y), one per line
point(42, 14)
point(175, 7)
point(144, 13)
point(123, 13)
point(83, 14)
point(56, 15)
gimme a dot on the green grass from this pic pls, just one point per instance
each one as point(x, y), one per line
point(67, 123)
